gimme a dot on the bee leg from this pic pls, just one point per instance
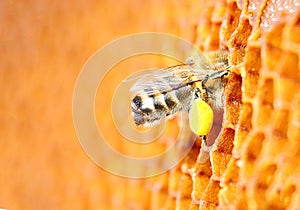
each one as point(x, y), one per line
point(204, 139)
point(205, 79)
point(200, 92)
point(197, 93)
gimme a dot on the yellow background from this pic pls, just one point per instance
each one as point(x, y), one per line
point(43, 46)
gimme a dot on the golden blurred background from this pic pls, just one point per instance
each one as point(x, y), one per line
point(44, 45)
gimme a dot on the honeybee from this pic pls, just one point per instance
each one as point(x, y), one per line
point(160, 94)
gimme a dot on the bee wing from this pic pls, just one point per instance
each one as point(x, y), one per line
point(167, 79)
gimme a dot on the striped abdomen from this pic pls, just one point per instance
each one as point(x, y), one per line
point(150, 109)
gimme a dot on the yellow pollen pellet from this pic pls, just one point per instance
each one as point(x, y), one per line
point(200, 117)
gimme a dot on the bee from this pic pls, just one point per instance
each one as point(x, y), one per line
point(160, 94)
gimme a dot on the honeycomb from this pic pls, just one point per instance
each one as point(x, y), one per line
point(254, 164)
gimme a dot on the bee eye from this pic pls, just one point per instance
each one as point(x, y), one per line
point(137, 102)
